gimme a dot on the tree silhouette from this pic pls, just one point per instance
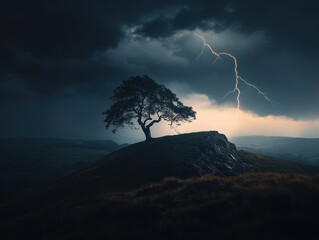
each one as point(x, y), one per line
point(143, 100)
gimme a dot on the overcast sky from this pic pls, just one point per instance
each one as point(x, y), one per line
point(61, 59)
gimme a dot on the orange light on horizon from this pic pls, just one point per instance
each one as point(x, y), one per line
point(236, 122)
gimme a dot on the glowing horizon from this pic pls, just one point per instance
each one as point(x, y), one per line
point(236, 122)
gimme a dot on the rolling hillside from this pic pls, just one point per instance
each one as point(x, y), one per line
point(189, 186)
point(28, 163)
point(304, 150)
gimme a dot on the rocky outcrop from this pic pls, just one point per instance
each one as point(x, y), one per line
point(218, 156)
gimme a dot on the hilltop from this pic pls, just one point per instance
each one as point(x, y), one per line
point(185, 155)
point(175, 187)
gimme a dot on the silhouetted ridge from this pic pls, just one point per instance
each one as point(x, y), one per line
point(185, 155)
point(137, 193)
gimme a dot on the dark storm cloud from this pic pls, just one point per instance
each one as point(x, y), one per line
point(290, 24)
point(61, 30)
point(285, 67)
point(190, 16)
point(47, 46)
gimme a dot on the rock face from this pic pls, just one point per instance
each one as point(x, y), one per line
point(184, 156)
point(218, 156)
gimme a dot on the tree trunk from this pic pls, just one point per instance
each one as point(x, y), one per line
point(147, 133)
point(146, 129)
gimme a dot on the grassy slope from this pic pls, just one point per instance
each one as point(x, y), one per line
point(28, 163)
point(251, 206)
point(146, 162)
point(100, 202)
point(143, 163)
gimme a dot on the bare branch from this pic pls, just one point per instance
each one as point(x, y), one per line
point(154, 121)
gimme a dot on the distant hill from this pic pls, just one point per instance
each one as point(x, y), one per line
point(161, 190)
point(304, 150)
point(27, 163)
point(255, 162)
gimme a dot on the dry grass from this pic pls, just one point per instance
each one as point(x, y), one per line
point(129, 194)
point(251, 206)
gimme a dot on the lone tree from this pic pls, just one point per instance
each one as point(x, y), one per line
point(141, 98)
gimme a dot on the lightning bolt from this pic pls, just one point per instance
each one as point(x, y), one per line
point(237, 76)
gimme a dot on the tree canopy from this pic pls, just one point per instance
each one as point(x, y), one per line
point(141, 100)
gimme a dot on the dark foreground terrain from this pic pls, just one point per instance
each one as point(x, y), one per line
point(191, 186)
point(29, 163)
point(251, 206)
